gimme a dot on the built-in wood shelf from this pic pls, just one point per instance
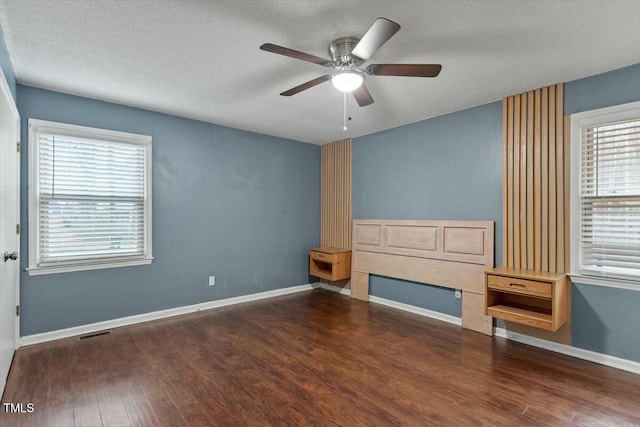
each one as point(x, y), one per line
point(330, 263)
point(533, 298)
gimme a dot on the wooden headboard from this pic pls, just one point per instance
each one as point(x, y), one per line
point(451, 254)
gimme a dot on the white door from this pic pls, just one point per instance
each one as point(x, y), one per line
point(9, 219)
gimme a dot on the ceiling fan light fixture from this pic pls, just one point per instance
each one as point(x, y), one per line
point(347, 81)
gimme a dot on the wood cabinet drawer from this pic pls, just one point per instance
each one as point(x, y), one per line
point(330, 263)
point(323, 257)
point(535, 298)
point(520, 286)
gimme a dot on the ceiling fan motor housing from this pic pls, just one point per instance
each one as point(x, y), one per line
point(340, 51)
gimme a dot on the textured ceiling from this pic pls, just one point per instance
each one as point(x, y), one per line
point(200, 59)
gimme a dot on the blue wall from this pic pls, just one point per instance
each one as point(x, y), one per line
point(448, 167)
point(602, 90)
point(241, 206)
point(6, 65)
point(606, 320)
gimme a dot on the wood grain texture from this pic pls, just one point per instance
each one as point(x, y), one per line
point(330, 263)
point(544, 171)
point(567, 199)
point(537, 182)
point(452, 254)
point(560, 177)
point(553, 171)
point(533, 298)
point(455, 241)
point(539, 235)
point(530, 168)
point(335, 196)
point(314, 358)
point(505, 180)
point(515, 217)
point(456, 275)
point(522, 206)
point(536, 190)
point(359, 284)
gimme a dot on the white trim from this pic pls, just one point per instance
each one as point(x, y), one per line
point(578, 121)
point(156, 315)
point(4, 87)
point(37, 271)
point(417, 310)
point(13, 108)
point(578, 279)
point(90, 132)
point(400, 306)
point(36, 126)
point(338, 289)
point(591, 356)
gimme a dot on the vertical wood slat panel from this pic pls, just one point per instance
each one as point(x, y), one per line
point(506, 178)
point(511, 181)
point(335, 209)
point(349, 195)
point(536, 181)
point(331, 195)
point(530, 161)
point(552, 179)
point(567, 182)
point(523, 181)
point(560, 177)
point(334, 199)
point(544, 170)
point(516, 182)
point(323, 194)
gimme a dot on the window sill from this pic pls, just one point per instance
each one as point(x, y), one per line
point(37, 271)
point(605, 281)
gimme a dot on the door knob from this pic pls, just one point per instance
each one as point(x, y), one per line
point(10, 256)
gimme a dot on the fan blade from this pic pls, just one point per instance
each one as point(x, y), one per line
point(407, 70)
point(363, 96)
point(381, 31)
point(307, 85)
point(273, 48)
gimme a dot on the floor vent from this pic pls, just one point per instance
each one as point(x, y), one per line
point(93, 335)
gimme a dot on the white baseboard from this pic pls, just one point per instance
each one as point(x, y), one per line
point(591, 356)
point(417, 310)
point(155, 315)
point(338, 289)
point(401, 306)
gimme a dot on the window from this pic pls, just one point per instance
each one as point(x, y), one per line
point(89, 198)
point(605, 196)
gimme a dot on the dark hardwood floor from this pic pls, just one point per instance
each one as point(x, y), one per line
point(311, 359)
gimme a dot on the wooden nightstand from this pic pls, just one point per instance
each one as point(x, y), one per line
point(330, 263)
point(533, 298)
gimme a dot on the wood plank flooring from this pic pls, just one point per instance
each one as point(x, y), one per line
point(311, 359)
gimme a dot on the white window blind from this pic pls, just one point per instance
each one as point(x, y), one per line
point(610, 199)
point(93, 197)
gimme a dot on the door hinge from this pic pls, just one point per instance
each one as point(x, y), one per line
point(17, 228)
point(17, 310)
point(18, 146)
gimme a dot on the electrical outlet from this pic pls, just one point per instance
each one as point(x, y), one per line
point(458, 293)
point(212, 280)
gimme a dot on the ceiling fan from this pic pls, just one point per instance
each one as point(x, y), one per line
point(348, 54)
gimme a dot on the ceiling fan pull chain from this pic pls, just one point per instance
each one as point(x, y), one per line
point(344, 103)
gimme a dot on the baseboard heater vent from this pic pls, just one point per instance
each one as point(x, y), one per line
point(95, 334)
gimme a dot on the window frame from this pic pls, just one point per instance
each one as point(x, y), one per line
point(36, 127)
point(578, 121)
